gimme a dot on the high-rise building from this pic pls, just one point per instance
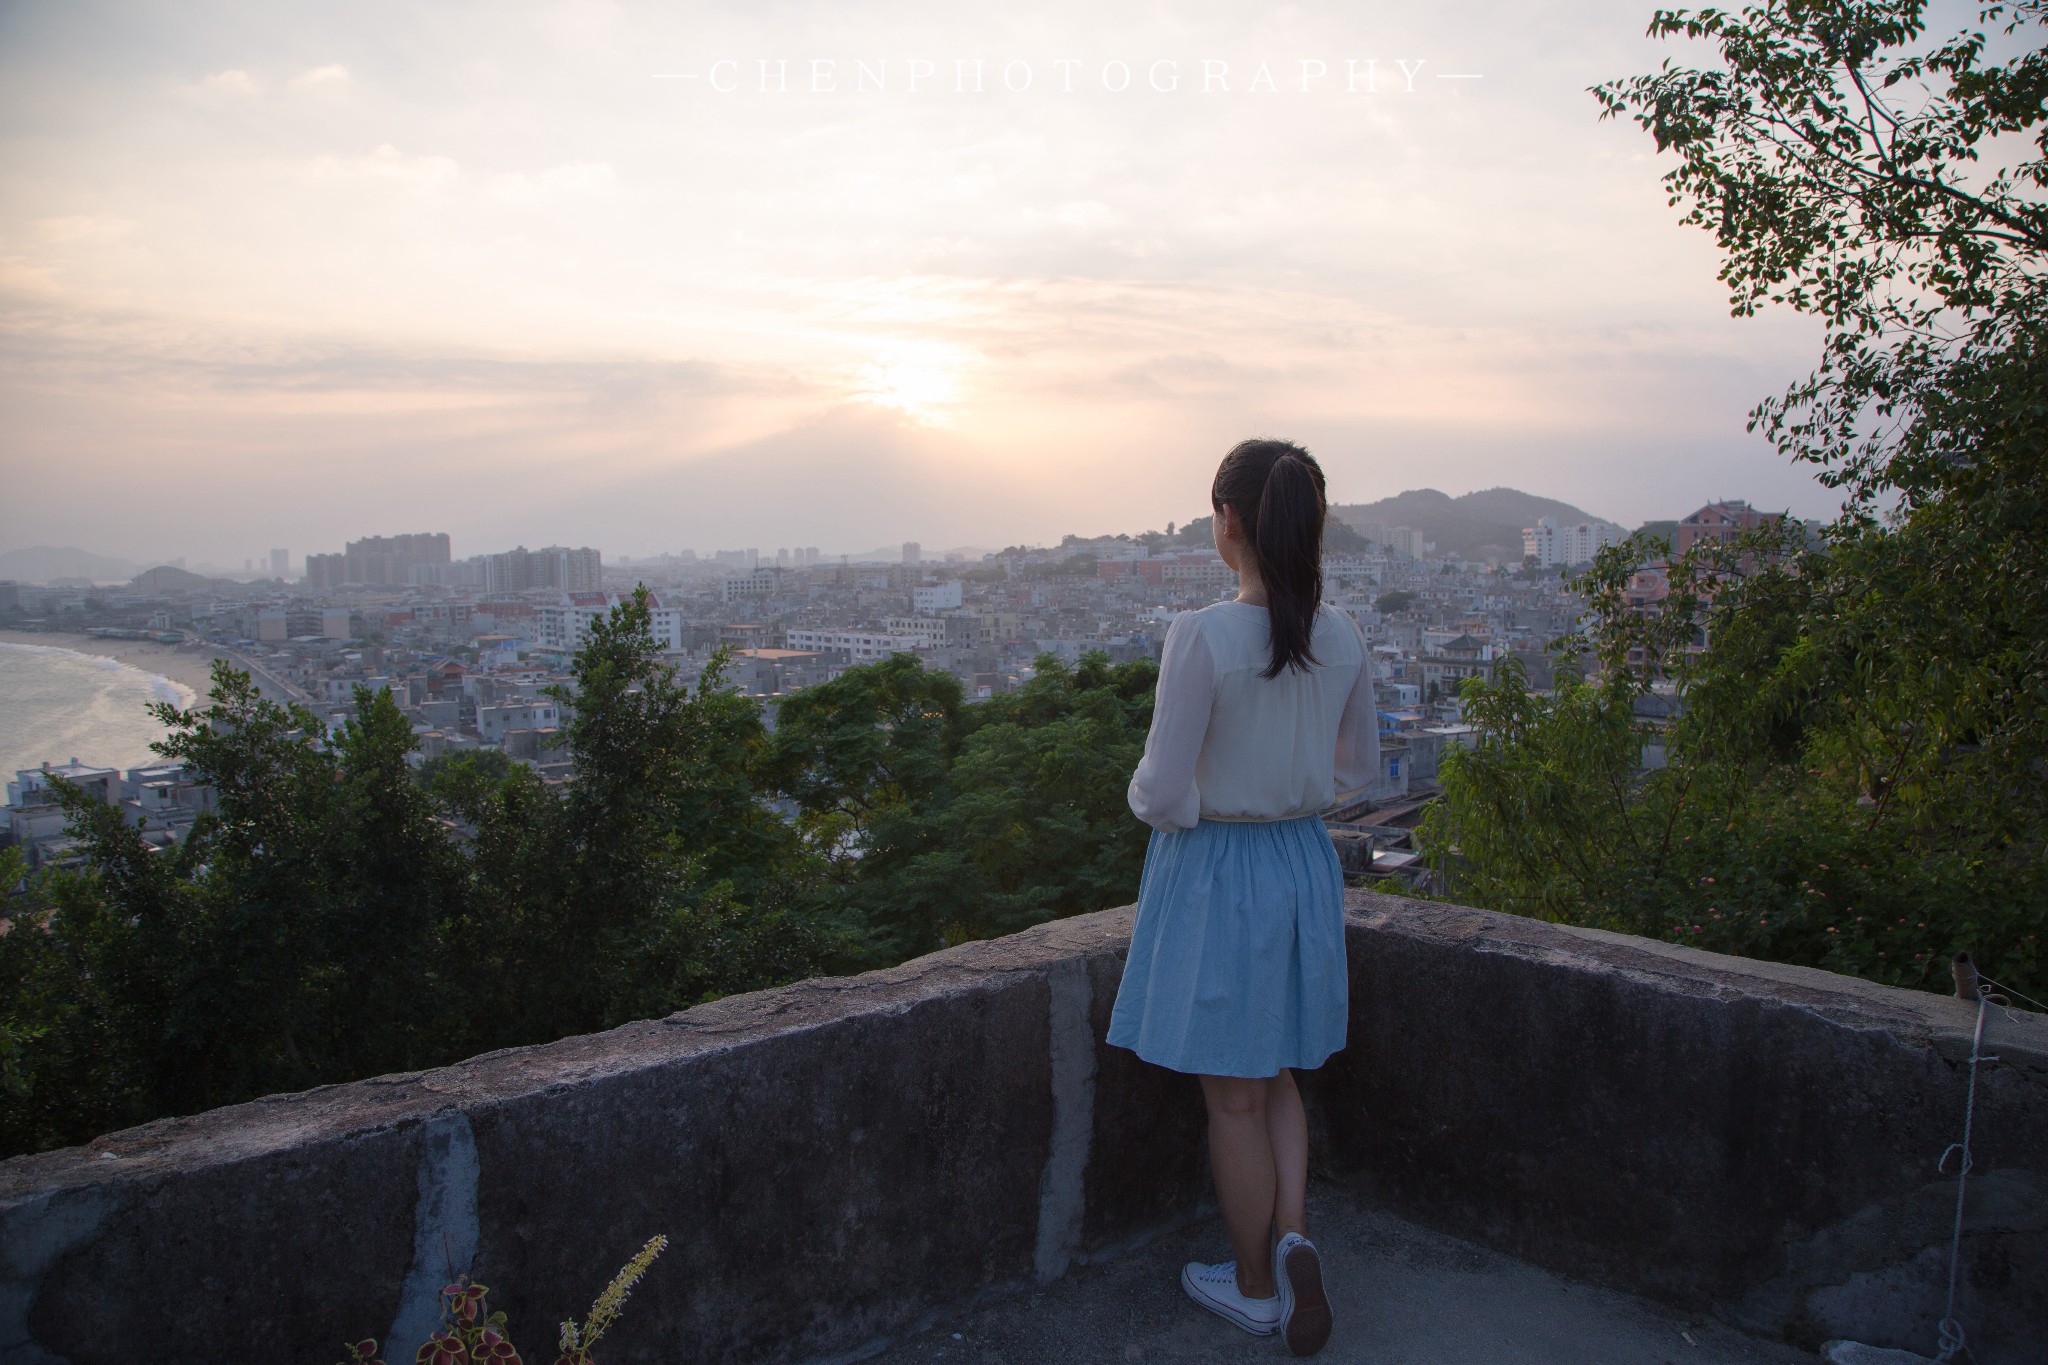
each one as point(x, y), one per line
point(555, 567)
point(1550, 545)
point(324, 571)
point(1404, 540)
point(280, 563)
point(913, 553)
point(377, 561)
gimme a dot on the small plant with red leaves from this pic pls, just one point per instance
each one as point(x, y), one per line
point(471, 1334)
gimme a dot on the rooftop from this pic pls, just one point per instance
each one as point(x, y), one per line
point(1399, 1293)
point(1541, 1144)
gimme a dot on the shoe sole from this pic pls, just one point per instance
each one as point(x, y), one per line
point(1257, 1329)
point(1306, 1325)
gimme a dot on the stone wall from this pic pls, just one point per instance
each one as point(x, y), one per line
point(837, 1160)
point(1744, 1138)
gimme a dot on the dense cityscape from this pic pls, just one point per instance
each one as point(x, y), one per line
point(624, 831)
point(478, 650)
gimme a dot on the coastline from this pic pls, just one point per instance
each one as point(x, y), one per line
point(190, 668)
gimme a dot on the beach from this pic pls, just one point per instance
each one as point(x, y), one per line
point(188, 666)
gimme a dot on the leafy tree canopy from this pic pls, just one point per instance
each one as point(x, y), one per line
point(1856, 773)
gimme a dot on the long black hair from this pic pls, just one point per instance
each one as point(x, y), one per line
point(1276, 489)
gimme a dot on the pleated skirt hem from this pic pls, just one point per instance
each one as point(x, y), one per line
point(1237, 961)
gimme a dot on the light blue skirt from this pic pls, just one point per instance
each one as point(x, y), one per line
point(1237, 959)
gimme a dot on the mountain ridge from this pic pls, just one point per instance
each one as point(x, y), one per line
point(1486, 524)
point(41, 563)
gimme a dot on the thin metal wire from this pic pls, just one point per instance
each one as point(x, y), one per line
point(1998, 989)
point(1954, 1342)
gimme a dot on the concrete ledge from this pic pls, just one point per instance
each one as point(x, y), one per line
point(830, 1161)
point(1743, 1137)
point(834, 1160)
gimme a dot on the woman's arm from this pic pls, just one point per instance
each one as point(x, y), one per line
point(1358, 730)
point(1163, 792)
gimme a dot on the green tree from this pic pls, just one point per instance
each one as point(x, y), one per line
point(290, 940)
point(1890, 186)
point(1755, 836)
point(947, 822)
point(659, 877)
point(322, 925)
point(1389, 602)
point(1859, 775)
point(464, 782)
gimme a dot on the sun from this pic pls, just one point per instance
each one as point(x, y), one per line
point(920, 385)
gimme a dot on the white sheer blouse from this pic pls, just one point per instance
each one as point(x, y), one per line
point(1227, 744)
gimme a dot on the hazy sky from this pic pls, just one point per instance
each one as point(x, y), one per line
point(565, 272)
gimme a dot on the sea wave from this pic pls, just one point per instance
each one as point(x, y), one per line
point(160, 687)
point(60, 704)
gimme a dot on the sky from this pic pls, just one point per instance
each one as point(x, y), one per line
point(657, 276)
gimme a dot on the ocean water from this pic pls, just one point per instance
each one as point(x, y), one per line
point(58, 704)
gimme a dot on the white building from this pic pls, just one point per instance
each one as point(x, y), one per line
point(933, 600)
point(32, 786)
point(862, 646)
point(1342, 572)
point(1551, 545)
point(493, 723)
point(760, 582)
point(563, 624)
point(1406, 540)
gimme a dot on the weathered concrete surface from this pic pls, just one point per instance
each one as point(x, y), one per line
point(835, 1160)
point(1708, 1130)
point(829, 1160)
point(1401, 1295)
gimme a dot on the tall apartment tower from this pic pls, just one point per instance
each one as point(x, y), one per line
point(913, 553)
point(381, 561)
point(556, 566)
point(280, 563)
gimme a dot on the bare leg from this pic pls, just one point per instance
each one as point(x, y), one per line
point(1287, 1135)
point(1241, 1153)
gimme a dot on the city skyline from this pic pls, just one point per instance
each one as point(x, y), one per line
point(510, 274)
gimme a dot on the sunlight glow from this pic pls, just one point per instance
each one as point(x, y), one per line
point(921, 384)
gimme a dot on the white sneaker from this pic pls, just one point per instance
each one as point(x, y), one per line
point(1215, 1288)
point(1304, 1308)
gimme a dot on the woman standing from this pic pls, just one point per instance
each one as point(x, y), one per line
point(1264, 717)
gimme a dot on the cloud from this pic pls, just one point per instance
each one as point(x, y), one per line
point(576, 180)
point(385, 164)
point(332, 77)
point(230, 84)
point(461, 255)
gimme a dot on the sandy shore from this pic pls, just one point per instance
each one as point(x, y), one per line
point(187, 664)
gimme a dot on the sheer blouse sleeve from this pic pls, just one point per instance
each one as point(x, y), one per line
point(1358, 732)
point(1163, 792)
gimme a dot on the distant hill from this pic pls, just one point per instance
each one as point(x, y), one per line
point(1483, 525)
point(41, 563)
point(166, 579)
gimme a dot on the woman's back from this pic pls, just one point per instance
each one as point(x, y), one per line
point(1237, 971)
point(1230, 744)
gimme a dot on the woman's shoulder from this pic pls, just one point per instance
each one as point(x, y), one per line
point(1338, 630)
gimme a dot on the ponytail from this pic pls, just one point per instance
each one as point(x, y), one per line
point(1277, 490)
